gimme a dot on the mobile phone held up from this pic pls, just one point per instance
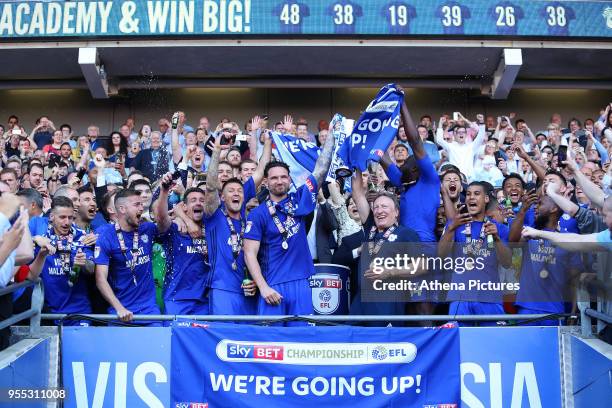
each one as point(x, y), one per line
point(562, 156)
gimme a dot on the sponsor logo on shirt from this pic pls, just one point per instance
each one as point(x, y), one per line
point(309, 185)
point(249, 224)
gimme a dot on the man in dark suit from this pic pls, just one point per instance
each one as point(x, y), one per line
point(153, 162)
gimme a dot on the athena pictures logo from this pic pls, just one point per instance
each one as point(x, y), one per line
point(607, 14)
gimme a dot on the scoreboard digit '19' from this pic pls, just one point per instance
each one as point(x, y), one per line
point(158, 18)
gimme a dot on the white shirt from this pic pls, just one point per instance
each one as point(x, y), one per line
point(462, 155)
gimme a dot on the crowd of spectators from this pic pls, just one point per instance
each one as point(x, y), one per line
point(485, 182)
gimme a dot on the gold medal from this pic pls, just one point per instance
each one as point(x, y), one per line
point(543, 274)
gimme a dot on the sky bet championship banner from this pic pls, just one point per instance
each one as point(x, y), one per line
point(228, 366)
point(504, 367)
point(159, 18)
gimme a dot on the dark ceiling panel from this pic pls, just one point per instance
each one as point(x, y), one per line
point(331, 62)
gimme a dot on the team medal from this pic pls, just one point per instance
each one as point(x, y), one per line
point(543, 274)
point(234, 266)
point(285, 245)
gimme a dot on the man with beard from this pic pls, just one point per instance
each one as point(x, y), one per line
point(278, 227)
point(123, 255)
point(526, 216)
point(87, 216)
point(480, 239)
point(547, 271)
point(579, 242)
point(187, 258)
point(61, 259)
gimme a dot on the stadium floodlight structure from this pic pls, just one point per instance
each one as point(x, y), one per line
point(506, 73)
point(95, 73)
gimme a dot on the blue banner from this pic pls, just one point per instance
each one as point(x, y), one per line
point(510, 367)
point(375, 129)
point(314, 366)
point(116, 367)
point(113, 366)
point(300, 155)
point(162, 18)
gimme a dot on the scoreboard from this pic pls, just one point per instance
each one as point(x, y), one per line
point(294, 18)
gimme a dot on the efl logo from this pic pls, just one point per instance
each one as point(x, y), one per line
point(254, 351)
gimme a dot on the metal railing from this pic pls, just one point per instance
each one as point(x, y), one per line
point(314, 318)
point(589, 315)
point(33, 313)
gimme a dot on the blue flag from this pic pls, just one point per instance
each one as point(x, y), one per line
point(300, 155)
point(375, 130)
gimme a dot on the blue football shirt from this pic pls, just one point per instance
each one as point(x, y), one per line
point(487, 272)
point(108, 252)
point(544, 276)
point(59, 296)
point(187, 271)
point(277, 264)
point(420, 202)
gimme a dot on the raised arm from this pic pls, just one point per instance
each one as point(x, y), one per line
point(440, 134)
point(177, 152)
point(213, 186)
point(324, 160)
point(570, 242)
point(161, 211)
point(359, 196)
point(258, 174)
point(517, 225)
point(590, 189)
point(564, 203)
point(537, 169)
point(414, 140)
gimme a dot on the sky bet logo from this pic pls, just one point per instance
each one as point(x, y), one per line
point(254, 351)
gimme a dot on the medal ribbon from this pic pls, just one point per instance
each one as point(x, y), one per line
point(133, 250)
point(236, 238)
point(63, 251)
point(279, 225)
point(373, 249)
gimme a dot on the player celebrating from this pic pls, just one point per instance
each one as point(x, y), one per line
point(123, 256)
point(60, 260)
point(276, 232)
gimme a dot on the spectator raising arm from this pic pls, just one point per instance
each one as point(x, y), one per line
point(590, 189)
point(359, 196)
